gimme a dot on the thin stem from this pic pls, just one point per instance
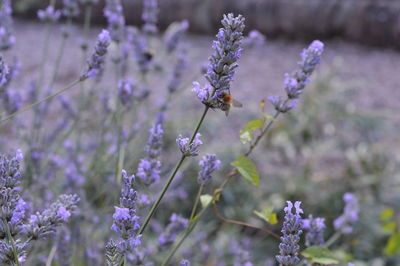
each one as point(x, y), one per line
point(11, 239)
point(51, 255)
point(172, 176)
point(196, 202)
point(333, 239)
point(219, 216)
point(49, 97)
point(155, 205)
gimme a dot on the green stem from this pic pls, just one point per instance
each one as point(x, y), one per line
point(333, 239)
point(49, 97)
point(196, 203)
point(169, 181)
point(51, 255)
point(11, 239)
point(155, 205)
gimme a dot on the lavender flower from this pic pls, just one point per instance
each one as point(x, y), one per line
point(178, 71)
point(11, 205)
point(176, 225)
point(142, 55)
point(116, 20)
point(310, 58)
point(4, 75)
point(149, 171)
point(174, 34)
point(49, 14)
point(125, 92)
point(185, 263)
point(208, 164)
point(126, 222)
point(44, 224)
point(154, 143)
point(7, 39)
point(345, 222)
point(240, 251)
point(96, 61)
point(149, 16)
point(187, 148)
point(254, 39)
point(149, 167)
point(223, 62)
point(315, 231)
point(203, 93)
point(71, 8)
point(291, 231)
point(281, 105)
point(296, 82)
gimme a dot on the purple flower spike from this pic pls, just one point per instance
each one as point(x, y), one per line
point(187, 148)
point(345, 222)
point(291, 231)
point(208, 165)
point(315, 231)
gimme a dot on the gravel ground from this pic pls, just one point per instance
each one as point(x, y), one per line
point(370, 72)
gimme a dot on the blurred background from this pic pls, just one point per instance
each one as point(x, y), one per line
point(342, 137)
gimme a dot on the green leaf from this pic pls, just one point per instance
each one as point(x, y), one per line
point(321, 255)
point(247, 169)
point(386, 214)
point(247, 132)
point(267, 215)
point(389, 227)
point(393, 245)
point(205, 200)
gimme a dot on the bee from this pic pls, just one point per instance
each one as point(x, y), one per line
point(148, 55)
point(226, 101)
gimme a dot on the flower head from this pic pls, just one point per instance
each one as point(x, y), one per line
point(174, 33)
point(314, 231)
point(113, 11)
point(125, 92)
point(254, 39)
point(96, 61)
point(150, 16)
point(189, 148)
point(71, 8)
point(7, 39)
point(176, 225)
point(208, 165)
point(49, 14)
point(223, 62)
point(291, 231)
point(345, 222)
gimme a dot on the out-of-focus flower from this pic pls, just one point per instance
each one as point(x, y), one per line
point(291, 231)
point(314, 228)
point(187, 148)
point(113, 11)
point(150, 167)
point(7, 39)
point(71, 8)
point(96, 61)
point(49, 14)
point(150, 16)
point(125, 92)
point(178, 71)
point(254, 39)
point(344, 222)
point(208, 165)
point(176, 225)
point(174, 34)
point(44, 224)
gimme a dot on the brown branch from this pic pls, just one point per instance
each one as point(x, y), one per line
point(219, 216)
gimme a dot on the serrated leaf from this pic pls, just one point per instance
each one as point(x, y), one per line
point(321, 255)
point(247, 132)
point(267, 215)
point(205, 200)
point(247, 169)
point(393, 245)
point(386, 214)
